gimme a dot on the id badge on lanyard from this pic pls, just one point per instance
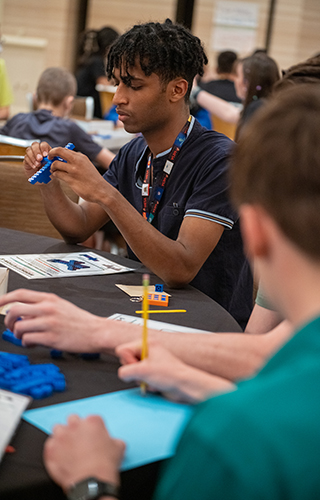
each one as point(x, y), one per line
point(151, 203)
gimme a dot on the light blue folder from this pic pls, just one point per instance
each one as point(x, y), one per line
point(150, 425)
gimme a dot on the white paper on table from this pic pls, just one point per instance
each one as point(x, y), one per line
point(137, 290)
point(11, 408)
point(61, 265)
point(4, 276)
point(156, 325)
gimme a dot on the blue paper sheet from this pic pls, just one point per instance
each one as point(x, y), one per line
point(150, 425)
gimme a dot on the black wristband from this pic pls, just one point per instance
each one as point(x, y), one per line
point(93, 489)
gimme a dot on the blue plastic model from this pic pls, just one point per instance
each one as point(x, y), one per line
point(38, 381)
point(158, 288)
point(43, 176)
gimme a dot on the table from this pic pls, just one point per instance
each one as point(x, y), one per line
point(104, 133)
point(22, 473)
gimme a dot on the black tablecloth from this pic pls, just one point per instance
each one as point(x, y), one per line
point(22, 474)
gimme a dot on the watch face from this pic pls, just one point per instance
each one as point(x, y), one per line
point(85, 490)
point(92, 489)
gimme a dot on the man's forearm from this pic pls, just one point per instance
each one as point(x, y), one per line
point(175, 261)
point(223, 109)
point(232, 356)
point(194, 386)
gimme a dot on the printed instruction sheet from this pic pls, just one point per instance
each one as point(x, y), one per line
point(61, 265)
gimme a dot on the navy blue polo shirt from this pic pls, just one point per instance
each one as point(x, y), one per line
point(56, 131)
point(197, 187)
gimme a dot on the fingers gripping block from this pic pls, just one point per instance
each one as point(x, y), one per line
point(43, 176)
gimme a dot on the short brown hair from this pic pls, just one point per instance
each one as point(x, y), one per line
point(277, 165)
point(54, 85)
point(305, 72)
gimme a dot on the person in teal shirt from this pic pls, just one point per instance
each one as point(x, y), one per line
point(259, 442)
point(261, 438)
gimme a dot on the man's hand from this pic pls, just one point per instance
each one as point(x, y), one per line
point(79, 173)
point(83, 448)
point(51, 321)
point(164, 372)
point(159, 369)
point(34, 156)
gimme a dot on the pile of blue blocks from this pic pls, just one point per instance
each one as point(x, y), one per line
point(38, 381)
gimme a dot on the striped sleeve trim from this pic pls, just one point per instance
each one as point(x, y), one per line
point(224, 221)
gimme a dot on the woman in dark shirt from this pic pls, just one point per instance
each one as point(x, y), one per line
point(93, 50)
point(255, 77)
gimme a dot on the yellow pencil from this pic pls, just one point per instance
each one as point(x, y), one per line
point(145, 314)
point(164, 311)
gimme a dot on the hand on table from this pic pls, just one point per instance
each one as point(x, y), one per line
point(83, 448)
point(51, 321)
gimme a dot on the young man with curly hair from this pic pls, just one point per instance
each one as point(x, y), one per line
point(166, 191)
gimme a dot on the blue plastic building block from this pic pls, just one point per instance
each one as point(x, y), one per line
point(158, 288)
point(43, 176)
point(37, 381)
point(9, 361)
point(10, 337)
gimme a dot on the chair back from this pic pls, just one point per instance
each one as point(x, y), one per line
point(226, 128)
point(13, 146)
point(106, 94)
point(21, 205)
point(83, 107)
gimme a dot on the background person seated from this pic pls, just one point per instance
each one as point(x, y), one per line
point(91, 70)
point(54, 97)
point(6, 96)
point(223, 85)
point(254, 81)
point(307, 71)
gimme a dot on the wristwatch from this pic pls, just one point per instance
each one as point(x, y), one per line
point(92, 489)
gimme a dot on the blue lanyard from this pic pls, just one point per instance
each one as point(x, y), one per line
point(150, 203)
